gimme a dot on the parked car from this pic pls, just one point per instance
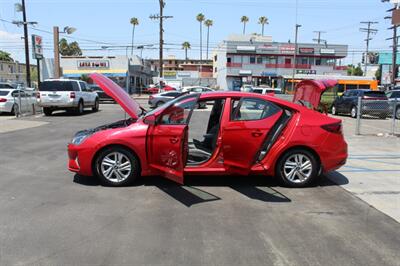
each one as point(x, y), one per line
point(394, 102)
point(156, 100)
point(196, 89)
point(153, 89)
point(103, 97)
point(13, 100)
point(244, 133)
point(4, 85)
point(65, 94)
point(266, 90)
point(377, 104)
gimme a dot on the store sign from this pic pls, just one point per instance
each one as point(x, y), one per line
point(306, 71)
point(268, 47)
point(184, 74)
point(93, 64)
point(268, 74)
point(327, 51)
point(37, 50)
point(304, 50)
point(287, 49)
point(169, 74)
point(245, 72)
point(246, 48)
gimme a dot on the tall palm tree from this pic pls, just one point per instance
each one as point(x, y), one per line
point(186, 46)
point(134, 21)
point(263, 20)
point(208, 23)
point(200, 18)
point(244, 20)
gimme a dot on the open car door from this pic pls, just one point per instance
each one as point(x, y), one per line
point(168, 139)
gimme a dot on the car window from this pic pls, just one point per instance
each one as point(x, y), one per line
point(172, 94)
point(5, 86)
point(346, 93)
point(395, 94)
point(179, 113)
point(16, 93)
point(260, 91)
point(4, 92)
point(375, 94)
point(83, 86)
point(75, 86)
point(56, 86)
point(253, 109)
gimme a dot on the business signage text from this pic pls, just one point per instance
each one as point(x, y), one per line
point(304, 50)
point(93, 64)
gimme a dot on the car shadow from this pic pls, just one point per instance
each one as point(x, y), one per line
point(332, 179)
point(66, 113)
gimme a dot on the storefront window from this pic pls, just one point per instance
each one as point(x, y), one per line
point(259, 60)
point(252, 59)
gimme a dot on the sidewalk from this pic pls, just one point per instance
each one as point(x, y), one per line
point(10, 124)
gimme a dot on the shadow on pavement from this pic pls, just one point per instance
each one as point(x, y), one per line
point(333, 179)
point(70, 113)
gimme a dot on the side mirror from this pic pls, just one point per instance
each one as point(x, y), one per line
point(150, 120)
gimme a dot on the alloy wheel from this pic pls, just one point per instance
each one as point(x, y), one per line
point(116, 167)
point(354, 112)
point(333, 110)
point(297, 168)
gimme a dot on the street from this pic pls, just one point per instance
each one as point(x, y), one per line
point(49, 216)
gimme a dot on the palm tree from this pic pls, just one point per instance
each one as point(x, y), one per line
point(208, 23)
point(244, 20)
point(263, 20)
point(134, 21)
point(200, 18)
point(186, 46)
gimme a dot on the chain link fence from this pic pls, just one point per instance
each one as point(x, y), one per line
point(25, 103)
point(377, 117)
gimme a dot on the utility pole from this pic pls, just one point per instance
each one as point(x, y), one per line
point(369, 31)
point(28, 66)
point(395, 42)
point(56, 38)
point(318, 39)
point(161, 17)
point(295, 54)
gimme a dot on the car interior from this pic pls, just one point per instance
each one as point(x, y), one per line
point(202, 143)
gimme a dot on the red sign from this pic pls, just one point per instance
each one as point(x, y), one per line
point(304, 50)
point(287, 49)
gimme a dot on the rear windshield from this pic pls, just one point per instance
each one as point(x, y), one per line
point(375, 94)
point(257, 91)
point(5, 86)
point(4, 92)
point(56, 86)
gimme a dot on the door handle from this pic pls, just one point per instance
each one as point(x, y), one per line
point(256, 133)
point(174, 140)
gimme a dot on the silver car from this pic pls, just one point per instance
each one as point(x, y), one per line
point(156, 100)
point(13, 100)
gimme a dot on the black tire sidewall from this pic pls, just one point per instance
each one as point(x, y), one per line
point(80, 110)
point(135, 171)
point(47, 111)
point(351, 112)
point(288, 183)
point(96, 105)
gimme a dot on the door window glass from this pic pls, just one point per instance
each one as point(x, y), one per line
point(253, 109)
point(179, 113)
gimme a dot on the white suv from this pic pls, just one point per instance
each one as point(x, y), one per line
point(66, 94)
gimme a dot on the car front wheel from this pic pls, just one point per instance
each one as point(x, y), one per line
point(298, 168)
point(116, 166)
point(353, 112)
point(398, 113)
point(96, 106)
point(333, 110)
point(47, 111)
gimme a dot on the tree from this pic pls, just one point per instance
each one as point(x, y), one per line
point(263, 20)
point(186, 46)
point(354, 70)
point(85, 78)
point(244, 20)
point(378, 74)
point(200, 18)
point(208, 23)
point(71, 49)
point(4, 56)
point(134, 21)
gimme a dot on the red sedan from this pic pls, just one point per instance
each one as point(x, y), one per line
point(156, 89)
point(238, 133)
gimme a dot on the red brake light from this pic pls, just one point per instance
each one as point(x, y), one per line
point(72, 95)
point(38, 95)
point(151, 97)
point(333, 128)
point(3, 100)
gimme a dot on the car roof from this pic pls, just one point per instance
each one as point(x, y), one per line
point(64, 80)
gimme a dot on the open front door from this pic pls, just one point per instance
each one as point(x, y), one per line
point(168, 139)
point(243, 136)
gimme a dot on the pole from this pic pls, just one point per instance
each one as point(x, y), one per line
point(394, 52)
point(27, 64)
point(161, 38)
point(295, 55)
point(369, 31)
point(358, 124)
point(56, 37)
point(38, 71)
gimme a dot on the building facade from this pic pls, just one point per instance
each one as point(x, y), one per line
point(131, 73)
point(257, 60)
point(14, 72)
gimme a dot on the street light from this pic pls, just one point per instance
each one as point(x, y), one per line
point(56, 32)
point(295, 54)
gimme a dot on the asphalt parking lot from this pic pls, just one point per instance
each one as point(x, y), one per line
point(48, 216)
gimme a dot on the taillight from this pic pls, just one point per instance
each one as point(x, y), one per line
point(334, 128)
point(38, 95)
point(72, 95)
point(151, 97)
point(3, 100)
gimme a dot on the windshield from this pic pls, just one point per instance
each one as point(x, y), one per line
point(375, 94)
point(56, 86)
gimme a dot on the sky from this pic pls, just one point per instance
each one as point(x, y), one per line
point(106, 23)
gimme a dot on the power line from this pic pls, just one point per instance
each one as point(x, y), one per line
point(369, 31)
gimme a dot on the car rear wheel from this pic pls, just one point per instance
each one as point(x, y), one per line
point(80, 108)
point(398, 113)
point(333, 110)
point(116, 166)
point(96, 106)
point(14, 109)
point(47, 111)
point(353, 112)
point(298, 168)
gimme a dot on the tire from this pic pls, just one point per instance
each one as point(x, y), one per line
point(398, 113)
point(353, 112)
point(159, 104)
point(106, 167)
point(289, 171)
point(95, 108)
point(14, 109)
point(47, 111)
point(382, 116)
point(81, 107)
point(333, 110)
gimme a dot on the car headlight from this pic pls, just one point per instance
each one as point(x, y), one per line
point(79, 138)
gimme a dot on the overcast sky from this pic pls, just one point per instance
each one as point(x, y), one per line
point(106, 23)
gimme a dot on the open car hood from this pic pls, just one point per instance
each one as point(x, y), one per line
point(118, 94)
point(311, 90)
